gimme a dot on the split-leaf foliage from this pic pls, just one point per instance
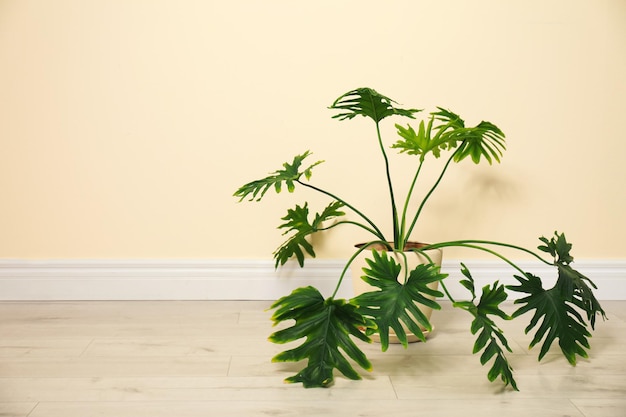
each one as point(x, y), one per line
point(329, 330)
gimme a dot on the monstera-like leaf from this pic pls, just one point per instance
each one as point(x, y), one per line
point(297, 220)
point(573, 286)
point(368, 103)
point(327, 326)
point(555, 317)
point(485, 140)
point(289, 175)
point(557, 310)
point(490, 336)
point(394, 303)
point(420, 142)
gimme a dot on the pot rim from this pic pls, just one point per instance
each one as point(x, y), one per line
point(408, 247)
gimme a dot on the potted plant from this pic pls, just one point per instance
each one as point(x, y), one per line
point(329, 326)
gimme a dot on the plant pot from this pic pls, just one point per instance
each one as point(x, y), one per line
point(413, 259)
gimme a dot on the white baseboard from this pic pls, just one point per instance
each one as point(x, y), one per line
point(238, 279)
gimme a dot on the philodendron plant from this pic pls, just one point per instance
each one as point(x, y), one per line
point(329, 326)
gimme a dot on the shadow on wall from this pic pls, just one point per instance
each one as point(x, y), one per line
point(492, 187)
point(480, 198)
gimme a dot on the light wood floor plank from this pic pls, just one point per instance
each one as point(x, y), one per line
point(336, 407)
point(189, 359)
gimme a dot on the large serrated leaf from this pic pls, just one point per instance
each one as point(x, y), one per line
point(327, 326)
point(490, 338)
point(556, 314)
point(393, 306)
point(288, 175)
point(485, 140)
point(420, 143)
point(576, 288)
point(554, 318)
point(297, 220)
point(368, 103)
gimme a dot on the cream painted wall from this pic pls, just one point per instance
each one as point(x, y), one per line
point(126, 125)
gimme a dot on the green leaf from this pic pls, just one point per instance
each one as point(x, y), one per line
point(485, 140)
point(327, 326)
point(558, 247)
point(394, 303)
point(573, 286)
point(297, 220)
point(368, 103)
point(469, 282)
point(420, 142)
point(554, 317)
point(289, 175)
point(449, 119)
point(490, 337)
point(490, 301)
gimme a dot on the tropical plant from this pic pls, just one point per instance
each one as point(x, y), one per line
point(329, 326)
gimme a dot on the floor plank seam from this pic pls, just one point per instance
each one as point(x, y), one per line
point(30, 413)
point(81, 355)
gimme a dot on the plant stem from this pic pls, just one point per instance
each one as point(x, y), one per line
point(394, 210)
point(402, 241)
point(430, 192)
point(473, 243)
point(374, 230)
point(352, 258)
point(443, 286)
point(496, 254)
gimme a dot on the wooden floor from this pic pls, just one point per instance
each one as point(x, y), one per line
point(183, 359)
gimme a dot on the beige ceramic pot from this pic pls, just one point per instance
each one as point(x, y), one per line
point(413, 260)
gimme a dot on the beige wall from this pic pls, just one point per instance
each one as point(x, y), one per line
point(126, 125)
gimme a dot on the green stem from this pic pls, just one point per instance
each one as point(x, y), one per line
point(471, 244)
point(374, 230)
point(405, 269)
point(394, 210)
point(402, 240)
point(443, 286)
point(430, 192)
point(352, 258)
point(425, 254)
point(496, 254)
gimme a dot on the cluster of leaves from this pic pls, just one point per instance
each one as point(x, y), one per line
point(326, 325)
point(297, 219)
point(330, 325)
point(450, 132)
point(484, 139)
point(557, 312)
